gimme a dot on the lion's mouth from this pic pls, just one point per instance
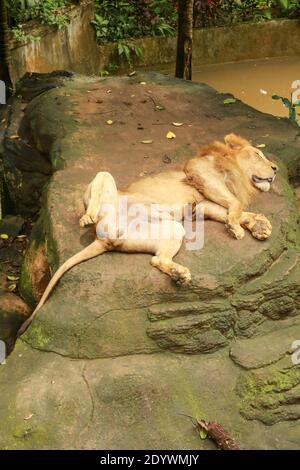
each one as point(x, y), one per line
point(257, 179)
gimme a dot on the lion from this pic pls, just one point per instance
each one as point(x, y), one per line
point(223, 177)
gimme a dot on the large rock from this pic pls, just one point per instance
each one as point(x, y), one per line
point(118, 306)
point(13, 312)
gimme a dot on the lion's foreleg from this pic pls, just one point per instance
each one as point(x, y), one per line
point(223, 197)
point(257, 224)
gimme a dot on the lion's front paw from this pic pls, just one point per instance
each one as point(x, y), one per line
point(236, 231)
point(262, 228)
point(259, 226)
point(181, 275)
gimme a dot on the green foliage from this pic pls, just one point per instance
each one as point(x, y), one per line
point(229, 12)
point(21, 36)
point(128, 50)
point(116, 20)
point(292, 107)
point(289, 8)
point(45, 11)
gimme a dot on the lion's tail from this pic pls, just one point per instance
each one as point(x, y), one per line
point(94, 249)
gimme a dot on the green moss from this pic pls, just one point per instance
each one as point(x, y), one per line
point(37, 336)
point(262, 392)
point(25, 286)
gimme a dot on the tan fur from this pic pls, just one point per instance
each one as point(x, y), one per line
point(223, 177)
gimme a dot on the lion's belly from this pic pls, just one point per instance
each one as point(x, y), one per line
point(165, 188)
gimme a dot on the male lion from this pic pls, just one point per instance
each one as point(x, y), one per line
point(223, 178)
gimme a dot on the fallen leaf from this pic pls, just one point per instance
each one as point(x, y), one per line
point(109, 122)
point(4, 236)
point(171, 135)
point(229, 101)
point(147, 141)
point(203, 433)
point(12, 278)
point(177, 124)
point(261, 146)
point(27, 418)
point(12, 287)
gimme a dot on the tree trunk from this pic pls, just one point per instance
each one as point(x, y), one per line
point(4, 49)
point(185, 39)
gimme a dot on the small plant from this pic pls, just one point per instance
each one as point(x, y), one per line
point(289, 8)
point(20, 35)
point(110, 70)
point(116, 20)
point(292, 107)
point(128, 51)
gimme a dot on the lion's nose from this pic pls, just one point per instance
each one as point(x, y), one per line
point(275, 168)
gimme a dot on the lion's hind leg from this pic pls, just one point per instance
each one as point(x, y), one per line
point(163, 261)
point(163, 249)
point(102, 190)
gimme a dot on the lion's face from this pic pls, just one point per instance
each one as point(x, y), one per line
point(258, 168)
point(255, 164)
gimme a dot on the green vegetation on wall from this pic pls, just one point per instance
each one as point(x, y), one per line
point(229, 12)
point(123, 19)
point(120, 20)
point(48, 12)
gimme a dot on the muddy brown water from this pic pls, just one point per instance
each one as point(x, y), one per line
point(252, 81)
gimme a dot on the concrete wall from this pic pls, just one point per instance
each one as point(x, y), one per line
point(247, 41)
point(74, 47)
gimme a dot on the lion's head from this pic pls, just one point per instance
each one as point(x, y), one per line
point(260, 171)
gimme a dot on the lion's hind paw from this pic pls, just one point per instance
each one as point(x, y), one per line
point(85, 221)
point(181, 275)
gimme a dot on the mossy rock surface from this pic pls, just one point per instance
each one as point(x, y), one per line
point(124, 334)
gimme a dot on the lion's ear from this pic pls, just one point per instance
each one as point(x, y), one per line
point(235, 142)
